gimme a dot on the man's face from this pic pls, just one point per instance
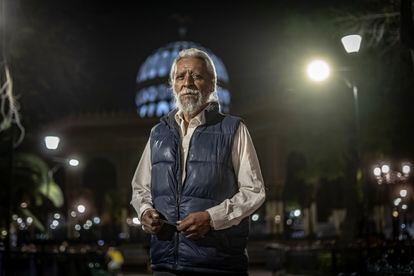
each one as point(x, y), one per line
point(192, 84)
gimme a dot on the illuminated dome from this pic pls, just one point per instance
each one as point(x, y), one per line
point(154, 97)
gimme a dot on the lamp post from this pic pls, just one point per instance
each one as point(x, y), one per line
point(52, 143)
point(352, 45)
point(61, 162)
point(319, 71)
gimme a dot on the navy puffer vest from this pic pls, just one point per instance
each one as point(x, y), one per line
point(210, 179)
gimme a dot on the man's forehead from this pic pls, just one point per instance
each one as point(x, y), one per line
point(191, 63)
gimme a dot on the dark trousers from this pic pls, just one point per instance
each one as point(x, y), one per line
point(185, 273)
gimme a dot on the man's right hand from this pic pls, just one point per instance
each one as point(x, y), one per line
point(150, 221)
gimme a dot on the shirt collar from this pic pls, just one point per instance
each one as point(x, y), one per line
point(199, 119)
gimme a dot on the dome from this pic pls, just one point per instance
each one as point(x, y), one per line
point(154, 97)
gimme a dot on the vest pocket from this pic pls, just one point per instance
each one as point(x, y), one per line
point(161, 251)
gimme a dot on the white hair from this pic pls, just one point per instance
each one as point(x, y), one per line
point(196, 53)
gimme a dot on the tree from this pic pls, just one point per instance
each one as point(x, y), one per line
point(33, 192)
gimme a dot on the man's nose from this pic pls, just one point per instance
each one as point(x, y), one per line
point(188, 81)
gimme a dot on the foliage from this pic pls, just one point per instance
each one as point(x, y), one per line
point(32, 184)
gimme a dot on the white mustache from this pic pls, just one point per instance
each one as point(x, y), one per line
point(187, 92)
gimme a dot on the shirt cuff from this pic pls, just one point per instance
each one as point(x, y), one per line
point(218, 217)
point(211, 219)
point(140, 208)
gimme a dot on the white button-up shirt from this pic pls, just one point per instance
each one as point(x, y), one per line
point(246, 166)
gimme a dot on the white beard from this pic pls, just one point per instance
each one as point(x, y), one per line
point(190, 101)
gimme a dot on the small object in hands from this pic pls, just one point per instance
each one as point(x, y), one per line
point(168, 222)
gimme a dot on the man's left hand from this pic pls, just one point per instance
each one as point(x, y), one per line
point(195, 226)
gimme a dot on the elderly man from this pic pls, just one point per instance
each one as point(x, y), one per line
point(198, 179)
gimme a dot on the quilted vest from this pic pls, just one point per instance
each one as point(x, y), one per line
point(210, 179)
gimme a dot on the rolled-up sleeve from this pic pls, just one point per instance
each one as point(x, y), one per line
point(141, 183)
point(251, 193)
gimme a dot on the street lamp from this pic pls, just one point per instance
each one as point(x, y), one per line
point(318, 70)
point(81, 208)
point(52, 142)
point(384, 174)
point(351, 43)
point(406, 169)
point(74, 162)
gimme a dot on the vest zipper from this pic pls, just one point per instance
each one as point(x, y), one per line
point(177, 235)
point(180, 183)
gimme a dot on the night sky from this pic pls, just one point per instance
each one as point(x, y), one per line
point(80, 56)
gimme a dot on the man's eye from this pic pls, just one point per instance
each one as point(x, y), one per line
point(197, 77)
point(179, 77)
